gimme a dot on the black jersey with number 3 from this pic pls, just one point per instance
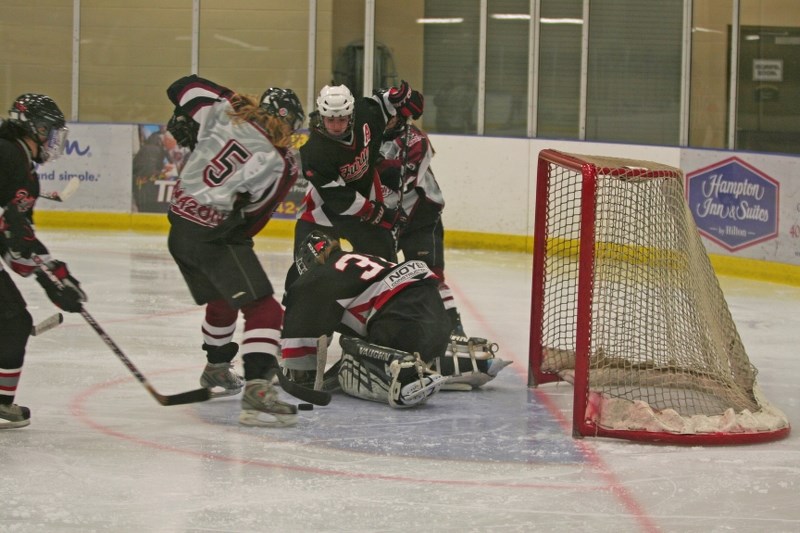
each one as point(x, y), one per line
point(343, 295)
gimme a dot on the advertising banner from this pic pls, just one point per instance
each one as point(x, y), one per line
point(747, 205)
point(93, 154)
point(157, 162)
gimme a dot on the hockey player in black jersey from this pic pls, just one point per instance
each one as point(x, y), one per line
point(406, 168)
point(239, 171)
point(345, 197)
point(35, 132)
point(393, 325)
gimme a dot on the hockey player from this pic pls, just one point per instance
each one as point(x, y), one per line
point(35, 132)
point(405, 167)
point(393, 323)
point(240, 170)
point(345, 198)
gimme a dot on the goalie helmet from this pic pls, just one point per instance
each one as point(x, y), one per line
point(310, 249)
point(284, 104)
point(40, 119)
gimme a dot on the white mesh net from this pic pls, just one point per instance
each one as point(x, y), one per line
point(664, 354)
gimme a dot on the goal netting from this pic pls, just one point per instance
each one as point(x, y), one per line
point(626, 306)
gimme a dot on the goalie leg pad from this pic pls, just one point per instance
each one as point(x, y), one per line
point(385, 375)
point(469, 363)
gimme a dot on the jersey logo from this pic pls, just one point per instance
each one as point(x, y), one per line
point(189, 208)
point(225, 163)
point(405, 272)
point(356, 169)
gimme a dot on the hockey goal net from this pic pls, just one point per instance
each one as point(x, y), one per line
point(626, 306)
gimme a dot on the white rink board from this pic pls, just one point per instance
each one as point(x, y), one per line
point(488, 182)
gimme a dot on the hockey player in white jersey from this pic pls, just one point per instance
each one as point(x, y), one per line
point(406, 170)
point(240, 170)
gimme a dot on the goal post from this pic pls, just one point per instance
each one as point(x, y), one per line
point(626, 306)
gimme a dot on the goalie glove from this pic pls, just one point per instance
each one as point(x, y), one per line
point(66, 293)
point(385, 217)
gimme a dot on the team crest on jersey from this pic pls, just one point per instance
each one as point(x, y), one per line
point(356, 169)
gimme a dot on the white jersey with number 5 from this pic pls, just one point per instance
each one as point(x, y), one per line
point(233, 163)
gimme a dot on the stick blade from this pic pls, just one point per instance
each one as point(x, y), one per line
point(69, 190)
point(317, 397)
point(192, 396)
point(47, 324)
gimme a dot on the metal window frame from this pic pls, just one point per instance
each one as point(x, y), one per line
point(533, 63)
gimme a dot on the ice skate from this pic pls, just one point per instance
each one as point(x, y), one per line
point(220, 376)
point(221, 379)
point(261, 406)
point(14, 416)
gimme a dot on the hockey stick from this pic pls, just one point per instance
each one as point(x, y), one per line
point(47, 324)
point(404, 163)
point(193, 396)
point(317, 397)
point(322, 359)
point(65, 194)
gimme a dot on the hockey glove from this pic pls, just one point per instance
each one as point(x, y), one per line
point(184, 130)
point(386, 217)
point(66, 293)
point(407, 101)
point(18, 234)
point(398, 95)
point(413, 106)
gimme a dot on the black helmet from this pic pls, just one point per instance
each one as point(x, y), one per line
point(40, 119)
point(284, 104)
point(312, 247)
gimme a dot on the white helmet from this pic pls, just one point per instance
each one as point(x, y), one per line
point(336, 101)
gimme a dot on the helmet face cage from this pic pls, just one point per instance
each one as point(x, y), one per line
point(42, 120)
point(284, 104)
point(310, 249)
point(54, 145)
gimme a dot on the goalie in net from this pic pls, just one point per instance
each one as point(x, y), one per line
point(396, 342)
point(627, 307)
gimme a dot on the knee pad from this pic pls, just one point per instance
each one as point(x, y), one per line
point(385, 375)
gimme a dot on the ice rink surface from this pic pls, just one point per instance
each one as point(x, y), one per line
point(102, 455)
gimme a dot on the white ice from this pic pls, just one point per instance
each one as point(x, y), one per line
point(102, 455)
